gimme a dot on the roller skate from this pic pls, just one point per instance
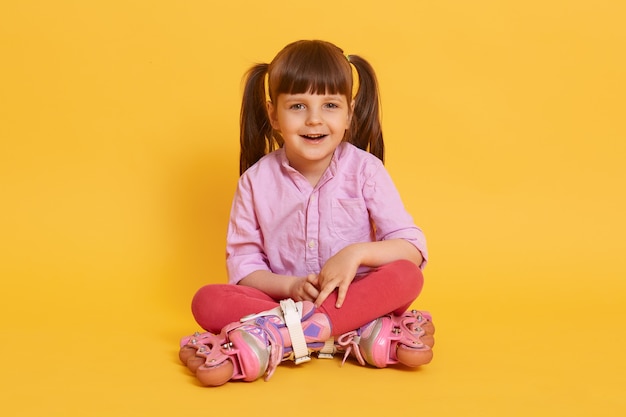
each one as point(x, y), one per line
point(406, 339)
point(198, 343)
point(254, 346)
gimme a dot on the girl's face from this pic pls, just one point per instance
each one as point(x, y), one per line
point(312, 126)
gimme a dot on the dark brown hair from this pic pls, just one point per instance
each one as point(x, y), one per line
point(316, 67)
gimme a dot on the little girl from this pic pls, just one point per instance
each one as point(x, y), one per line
point(321, 254)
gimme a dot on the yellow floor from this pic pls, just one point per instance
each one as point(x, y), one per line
point(516, 355)
point(505, 134)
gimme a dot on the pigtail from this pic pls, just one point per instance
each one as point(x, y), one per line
point(366, 130)
point(255, 131)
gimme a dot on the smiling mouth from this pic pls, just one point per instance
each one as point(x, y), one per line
point(314, 136)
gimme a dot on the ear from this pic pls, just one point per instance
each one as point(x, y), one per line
point(351, 112)
point(273, 117)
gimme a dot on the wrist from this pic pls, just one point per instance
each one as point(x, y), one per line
point(357, 252)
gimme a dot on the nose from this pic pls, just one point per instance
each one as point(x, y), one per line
point(313, 118)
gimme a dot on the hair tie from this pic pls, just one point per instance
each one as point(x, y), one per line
point(355, 77)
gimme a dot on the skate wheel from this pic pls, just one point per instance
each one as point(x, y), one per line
point(428, 340)
point(413, 357)
point(429, 327)
point(194, 362)
point(185, 353)
point(213, 376)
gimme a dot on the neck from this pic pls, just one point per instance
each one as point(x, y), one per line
point(312, 173)
point(310, 167)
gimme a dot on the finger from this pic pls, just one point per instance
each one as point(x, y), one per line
point(341, 295)
point(323, 295)
point(311, 291)
point(312, 278)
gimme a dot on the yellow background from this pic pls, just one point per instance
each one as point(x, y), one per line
point(505, 131)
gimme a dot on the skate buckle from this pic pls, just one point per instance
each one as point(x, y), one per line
point(302, 359)
point(328, 351)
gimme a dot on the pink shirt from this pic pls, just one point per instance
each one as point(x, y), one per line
point(280, 223)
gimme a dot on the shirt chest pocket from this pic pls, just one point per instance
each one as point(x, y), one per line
point(350, 220)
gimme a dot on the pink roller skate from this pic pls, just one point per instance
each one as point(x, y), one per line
point(198, 342)
point(254, 346)
point(407, 339)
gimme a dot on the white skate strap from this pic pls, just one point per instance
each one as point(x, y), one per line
point(292, 315)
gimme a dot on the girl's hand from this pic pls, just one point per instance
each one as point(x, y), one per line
point(338, 273)
point(305, 288)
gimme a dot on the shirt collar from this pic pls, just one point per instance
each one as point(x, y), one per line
point(330, 172)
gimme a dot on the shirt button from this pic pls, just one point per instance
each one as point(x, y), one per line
point(312, 244)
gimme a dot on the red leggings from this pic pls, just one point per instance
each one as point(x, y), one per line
point(390, 288)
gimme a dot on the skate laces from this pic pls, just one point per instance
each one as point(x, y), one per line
point(350, 342)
